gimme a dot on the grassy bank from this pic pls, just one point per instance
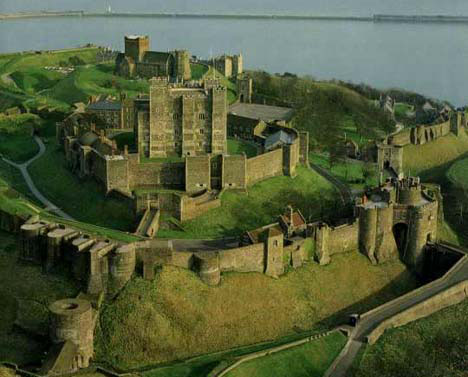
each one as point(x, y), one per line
point(433, 346)
point(429, 160)
point(309, 360)
point(25, 294)
point(17, 143)
point(262, 205)
point(239, 146)
point(83, 200)
point(186, 317)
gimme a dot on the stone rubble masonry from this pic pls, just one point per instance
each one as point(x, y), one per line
point(265, 166)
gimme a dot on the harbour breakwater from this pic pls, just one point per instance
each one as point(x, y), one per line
point(373, 18)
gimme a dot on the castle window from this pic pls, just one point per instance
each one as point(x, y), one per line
point(201, 116)
point(202, 131)
point(275, 243)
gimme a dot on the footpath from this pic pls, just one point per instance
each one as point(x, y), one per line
point(23, 168)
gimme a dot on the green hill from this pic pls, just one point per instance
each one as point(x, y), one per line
point(430, 160)
point(177, 316)
point(329, 112)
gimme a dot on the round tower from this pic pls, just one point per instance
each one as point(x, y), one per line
point(367, 231)
point(30, 242)
point(208, 268)
point(122, 266)
point(72, 320)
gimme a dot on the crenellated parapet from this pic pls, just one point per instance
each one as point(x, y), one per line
point(397, 218)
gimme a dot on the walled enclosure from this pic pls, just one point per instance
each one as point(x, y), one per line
point(390, 150)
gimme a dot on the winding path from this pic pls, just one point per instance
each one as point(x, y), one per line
point(345, 192)
point(23, 168)
point(373, 318)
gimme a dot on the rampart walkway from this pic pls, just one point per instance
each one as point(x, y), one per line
point(370, 320)
point(24, 172)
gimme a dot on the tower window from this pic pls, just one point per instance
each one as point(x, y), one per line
point(201, 116)
point(202, 131)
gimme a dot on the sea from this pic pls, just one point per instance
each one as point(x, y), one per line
point(428, 58)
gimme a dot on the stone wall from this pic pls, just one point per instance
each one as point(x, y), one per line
point(333, 240)
point(452, 296)
point(117, 173)
point(192, 207)
point(265, 166)
point(155, 174)
point(197, 173)
point(243, 259)
point(234, 172)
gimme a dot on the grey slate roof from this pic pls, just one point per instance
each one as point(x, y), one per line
point(156, 57)
point(261, 112)
point(105, 105)
point(279, 137)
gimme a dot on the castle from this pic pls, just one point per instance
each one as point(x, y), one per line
point(138, 61)
point(229, 65)
point(180, 132)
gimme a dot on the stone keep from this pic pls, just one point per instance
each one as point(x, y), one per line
point(185, 120)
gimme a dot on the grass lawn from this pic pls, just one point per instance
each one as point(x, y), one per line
point(429, 157)
point(262, 205)
point(35, 79)
point(458, 173)
point(177, 316)
point(198, 71)
point(309, 360)
point(350, 172)
point(16, 141)
point(25, 293)
point(230, 86)
point(402, 108)
point(93, 80)
point(83, 200)
point(432, 346)
point(236, 146)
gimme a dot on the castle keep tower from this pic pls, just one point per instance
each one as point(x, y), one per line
point(185, 120)
point(136, 46)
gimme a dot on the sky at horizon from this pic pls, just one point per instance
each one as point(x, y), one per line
point(341, 7)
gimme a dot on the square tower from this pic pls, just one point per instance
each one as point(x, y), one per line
point(136, 46)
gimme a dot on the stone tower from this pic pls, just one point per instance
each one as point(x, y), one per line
point(245, 89)
point(182, 65)
point(273, 239)
point(136, 46)
point(72, 321)
point(457, 122)
point(237, 65)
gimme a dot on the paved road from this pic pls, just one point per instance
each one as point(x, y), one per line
point(24, 171)
point(343, 189)
point(358, 337)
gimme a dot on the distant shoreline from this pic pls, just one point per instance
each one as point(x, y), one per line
point(375, 18)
